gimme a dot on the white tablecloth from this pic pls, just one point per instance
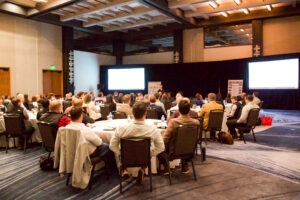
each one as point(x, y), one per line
point(101, 128)
point(36, 136)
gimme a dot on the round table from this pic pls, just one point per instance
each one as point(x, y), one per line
point(106, 128)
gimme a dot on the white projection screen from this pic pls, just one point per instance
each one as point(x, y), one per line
point(279, 74)
point(126, 79)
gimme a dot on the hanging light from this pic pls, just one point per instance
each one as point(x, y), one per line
point(245, 10)
point(269, 7)
point(238, 2)
point(213, 4)
point(224, 14)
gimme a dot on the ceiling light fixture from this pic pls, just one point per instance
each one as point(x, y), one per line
point(248, 34)
point(41, 1)
point(269, 7)
point(245, 10)
point(224, 14)
point(242, 30)
point(213, 4)
point(238, 2)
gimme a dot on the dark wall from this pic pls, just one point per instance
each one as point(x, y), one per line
point(206, 77)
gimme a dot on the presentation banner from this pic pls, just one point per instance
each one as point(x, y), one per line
point(153, 87)
point(235, 87)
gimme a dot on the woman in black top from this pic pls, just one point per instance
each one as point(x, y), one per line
point(45, 104)
point(110, 103)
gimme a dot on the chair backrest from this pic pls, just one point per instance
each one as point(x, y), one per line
point(252, 117)
point(135, 152)
point(48, 132)
point(30, 106)
point(104, 110)
point(2, 109)
point(186, 137)
point(66, 104)
point(152, 113)
point(215, 120)
point(260, 104)
point(14, 124)
point(84, 109)
point(119, 115)
point(99, 101)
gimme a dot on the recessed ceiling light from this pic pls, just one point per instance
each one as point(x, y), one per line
point(41, 1)
point(248, 34)
point(224, 14)
point(269, 7)
point(213, 4)
point(245, 10)
point(242, 30)
point(238, 2)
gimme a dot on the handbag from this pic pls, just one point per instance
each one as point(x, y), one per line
point(266, 121)
point(46, 163)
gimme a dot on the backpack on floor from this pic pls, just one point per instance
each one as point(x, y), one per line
point(225, 138)
point(46, 163)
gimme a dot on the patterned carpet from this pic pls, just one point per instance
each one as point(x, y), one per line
point(274, 159)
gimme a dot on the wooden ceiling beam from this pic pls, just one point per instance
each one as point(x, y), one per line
point(178, 4)
point(97, 8)
point(176, 14)
point(224, 7)
point(26, 3)
point(122, 16)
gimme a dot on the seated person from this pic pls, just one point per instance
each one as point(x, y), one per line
point(178, 95)
point(184, 118)
point(243, 96)
point(54, 115)
point(125, 107)
point(68, 96)
point(79, 103)
point(2, 106)
point(116, 96)
point(174, 108)
point(80, 95)
point(235, 123)
point(95, 145)
point(159, 110)
point(45, 103)
point(91, 109)
point(110, 103)
point(199, 99)
point(235, 110)
point(206, 108)
point(138, 128)
point(176, 114)
point(256, 100)
point(158, 102)
point(18, 110)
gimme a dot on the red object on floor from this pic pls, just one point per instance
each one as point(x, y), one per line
point(266, 121)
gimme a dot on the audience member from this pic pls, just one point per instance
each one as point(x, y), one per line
point(235, 110)
point(45, 108)
point(256, 100)
point(137, 129)
point(228, 98)
point(125, 107)
point(206, 108)
point(68, 96)
point(219, 99)
point(174, 108)
point(55, 116)
point(199, 99)
point(95, 145)
point(18, 110)
point(92, 94)
point(80, 95)
point(242, 120)
point(100, 97)
point(158, 103)
point(176, 114)
point(34, 101)
point(179, 96)
point(2, 106)
point(243, 97)
point(93, 112)
point(110, 103)
point(169, 136)
point(116, 97)
point(21, 97)
point(26, 102)
point(140, 97)
point(79, 103)
point(146, 98)
point(120, 98)
point(159, 110)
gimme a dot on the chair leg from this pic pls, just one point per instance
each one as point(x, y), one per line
point(68, 178)
point(194, 172)
point(25, 144)
point(150, 174)
point(205, 138)
point(14, 142)
point(7, 143)
point(168, 164)
point(254, 138)
point(91, 178)
point(242, 135)
point(121, 180)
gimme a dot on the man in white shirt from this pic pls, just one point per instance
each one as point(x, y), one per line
point(256, 100)
point(138, 128)
point(21, 97)
point(235, 123)
point(96, 146)
point(125, 107)
point(179, 97)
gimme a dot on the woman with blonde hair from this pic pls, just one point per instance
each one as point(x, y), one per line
point(91, 109)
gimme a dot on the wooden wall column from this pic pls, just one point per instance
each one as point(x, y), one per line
point(178, 46)
point(119, 50)
point(68, 59)
point(257, 41)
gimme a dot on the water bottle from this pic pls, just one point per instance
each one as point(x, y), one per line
point(163, 119)
point(110, 116)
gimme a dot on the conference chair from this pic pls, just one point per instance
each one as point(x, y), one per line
point(214, 122)
point(152, 113)
point(6, 140)
point(104, 110)
point(48, 132)
point(66, 104)
point(185, 142)
point(250, 125)
point(200, 138)
point(119, 115)
point(2, 109)
point(84, 109)
point(260, 104)
point(135, 152)
point(15, 127)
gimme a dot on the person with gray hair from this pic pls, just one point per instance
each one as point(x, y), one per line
point(206, 108)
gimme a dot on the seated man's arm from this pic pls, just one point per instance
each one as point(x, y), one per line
point(244, 115)
point(93, 138)
point(159, 145)
point(115, 142)
point(202, 113)
point(232, 112)
point(168, 133)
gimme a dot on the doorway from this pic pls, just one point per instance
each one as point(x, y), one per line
point(4, 81)
point(52, 82)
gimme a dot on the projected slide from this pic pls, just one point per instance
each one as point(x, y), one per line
point(279, 74)
point(126, 79)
